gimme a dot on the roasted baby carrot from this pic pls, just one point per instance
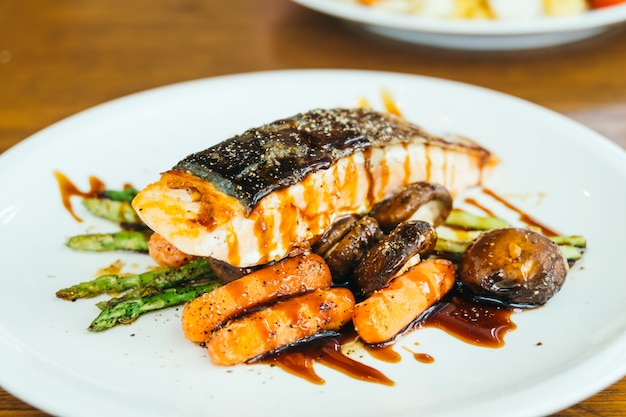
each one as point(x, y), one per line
point(390, 310)
point(290, 276)
point(166, 254)
point(279, 325)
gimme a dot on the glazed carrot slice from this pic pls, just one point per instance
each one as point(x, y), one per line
point(390, 310)
point(279, 325)
point(290, 276)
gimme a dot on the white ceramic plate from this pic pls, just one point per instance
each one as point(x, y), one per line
point(564, 174)
point(473, 34)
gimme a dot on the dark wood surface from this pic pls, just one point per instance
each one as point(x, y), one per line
point(58, 58)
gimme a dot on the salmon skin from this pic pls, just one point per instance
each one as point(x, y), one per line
point(271, 157)
point(261, 195)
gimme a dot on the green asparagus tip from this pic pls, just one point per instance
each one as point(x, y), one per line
point(127, 194)
point(128, 311)
point(112, 210)
point(126, 240)
point(460, 218)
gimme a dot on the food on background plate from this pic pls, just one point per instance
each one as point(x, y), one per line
point(596, 4)
point(488, 9)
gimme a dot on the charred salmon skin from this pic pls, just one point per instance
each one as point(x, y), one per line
point(263, 194)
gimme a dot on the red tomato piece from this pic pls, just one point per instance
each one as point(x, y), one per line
point(596, 4)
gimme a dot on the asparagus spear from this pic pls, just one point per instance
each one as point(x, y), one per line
point(571, 253)
point(193, 276)
point(450, 246)
point(571, 246)
point(455, 242)
point(117, 283)
point(573, 240)
point(127, 194)
point(113, 210)
point(128, 311)
point(131, 240)
point(467, 220)
point(141, 292)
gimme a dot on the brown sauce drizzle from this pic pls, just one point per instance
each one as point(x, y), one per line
point(523, 217)
point(473, 202)
point(475, 323)
point(390, 104)
point(367, 153)
point(261, 228)
point(114, 269)
point(69, 190)
point(352, 179)
point(429, 164)
point(423, 357)
point(384, 353)
point(233, 245)
point(406, 164)
point(384, 173)
point(327, 351)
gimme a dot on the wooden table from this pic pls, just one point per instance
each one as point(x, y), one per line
point(58, 58)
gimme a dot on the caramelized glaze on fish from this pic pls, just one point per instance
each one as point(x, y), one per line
point(264, 194)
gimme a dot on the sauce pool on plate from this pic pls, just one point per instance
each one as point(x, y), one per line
point(475, 323)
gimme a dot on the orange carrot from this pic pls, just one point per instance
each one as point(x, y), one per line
point(166, 254)
point(391, 309)
point(279, 325)
point(290, 276)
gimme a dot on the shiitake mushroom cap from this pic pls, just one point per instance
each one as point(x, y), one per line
point(347, 252)
point(392, 253)
point(324, 243)
point(514, 267)
point(227, 272)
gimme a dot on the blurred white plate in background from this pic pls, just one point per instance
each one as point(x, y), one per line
point(473, 34)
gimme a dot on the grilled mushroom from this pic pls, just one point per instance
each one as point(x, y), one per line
point(513, 267)
point(392, 254)
point(426, 201)
point(226, 272)
point(334, 234)
point(343, 257)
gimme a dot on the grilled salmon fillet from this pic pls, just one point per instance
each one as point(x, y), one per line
point(261, 195)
